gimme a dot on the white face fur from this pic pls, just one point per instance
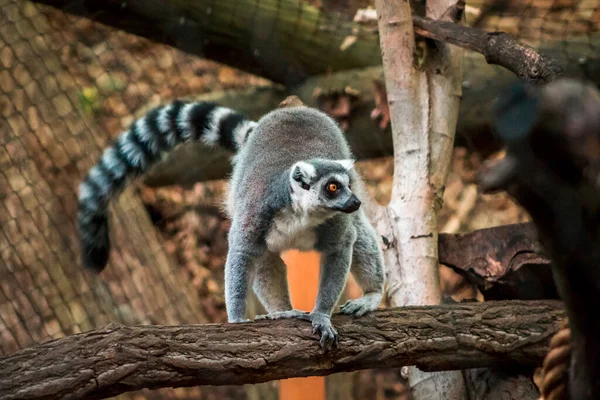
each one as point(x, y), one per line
point(311, 205)
point(308, 190)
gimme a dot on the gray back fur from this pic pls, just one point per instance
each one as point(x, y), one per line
point(280, 139)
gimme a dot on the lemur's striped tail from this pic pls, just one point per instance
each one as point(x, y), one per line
point(136, 150)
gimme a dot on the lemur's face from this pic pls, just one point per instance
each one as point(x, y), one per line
point(323, 185)
point(335, 193)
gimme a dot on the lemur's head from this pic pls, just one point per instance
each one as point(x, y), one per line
point(323, 185)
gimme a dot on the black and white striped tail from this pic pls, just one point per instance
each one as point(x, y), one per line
point(136, 150)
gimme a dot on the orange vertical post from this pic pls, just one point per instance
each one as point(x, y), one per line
point(303, 280)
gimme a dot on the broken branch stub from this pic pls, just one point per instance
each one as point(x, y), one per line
point(505, 262)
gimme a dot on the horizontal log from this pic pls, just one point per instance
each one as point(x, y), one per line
point(284, 41)
point(118, 359)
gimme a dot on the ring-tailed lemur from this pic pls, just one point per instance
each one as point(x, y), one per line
point(293, 187)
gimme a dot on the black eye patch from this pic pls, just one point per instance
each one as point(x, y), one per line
point(333, 188)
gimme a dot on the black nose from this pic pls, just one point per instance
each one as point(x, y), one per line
point(351, 205)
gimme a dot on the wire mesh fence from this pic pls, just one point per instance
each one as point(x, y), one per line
point(73, 76)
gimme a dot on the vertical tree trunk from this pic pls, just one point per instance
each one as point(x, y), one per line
point(424, 100)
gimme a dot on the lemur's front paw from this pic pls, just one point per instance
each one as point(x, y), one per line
point(322, 325)
point(285, 314)
point(360, 306)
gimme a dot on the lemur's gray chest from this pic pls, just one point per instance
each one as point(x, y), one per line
point(290, 230)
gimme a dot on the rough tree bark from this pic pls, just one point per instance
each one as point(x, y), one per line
point(117, 359)
point(424, 102)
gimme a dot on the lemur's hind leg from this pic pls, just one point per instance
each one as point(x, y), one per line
point(241, 256)
point(271, 287)
point(368, 270)
point(237, 267)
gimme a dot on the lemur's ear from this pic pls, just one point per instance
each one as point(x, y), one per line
point(302, 174)
point(347, 164)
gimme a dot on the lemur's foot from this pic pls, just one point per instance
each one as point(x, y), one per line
point(236, 321)
point(321, 324)
point(285, 314)
point(361, 306)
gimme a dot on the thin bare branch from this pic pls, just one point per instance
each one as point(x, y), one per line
point(497, 48)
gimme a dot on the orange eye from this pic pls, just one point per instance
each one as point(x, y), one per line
point(332, 187)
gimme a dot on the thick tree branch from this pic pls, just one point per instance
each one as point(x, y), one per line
point(283, 41)
point(497, 48)
point(117, 359)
